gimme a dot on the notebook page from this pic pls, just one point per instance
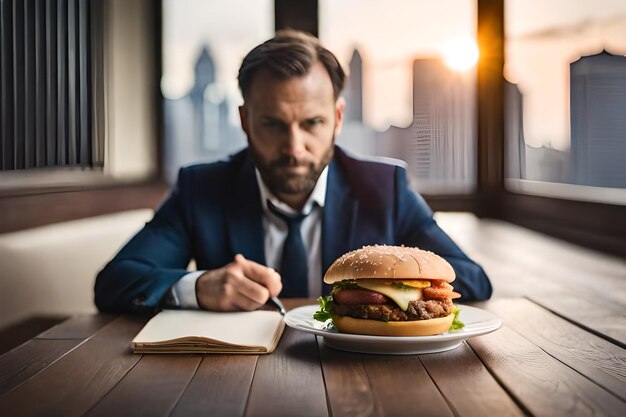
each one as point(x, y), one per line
point(250, 328)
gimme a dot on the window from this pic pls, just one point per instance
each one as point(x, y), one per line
point(77, 93)
point(565, 95)
point(203, 45)
point(411, 91)
point(410, 94)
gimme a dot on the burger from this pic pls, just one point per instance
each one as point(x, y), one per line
point(390, 291)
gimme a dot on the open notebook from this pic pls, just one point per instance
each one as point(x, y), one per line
point(191, 331)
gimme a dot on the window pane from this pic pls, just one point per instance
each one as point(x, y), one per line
point(411, 91)
point(203, 45)
point(566, 93)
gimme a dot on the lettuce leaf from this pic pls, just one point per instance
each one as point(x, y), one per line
point(457, 324)
point(325, 312)
point(346, 284)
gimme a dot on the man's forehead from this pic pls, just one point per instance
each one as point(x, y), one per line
point(286, 110)
point(315, 85)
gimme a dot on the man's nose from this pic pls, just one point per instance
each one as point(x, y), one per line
point(294, 144)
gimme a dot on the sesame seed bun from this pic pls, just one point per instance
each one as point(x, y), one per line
point(389, 262)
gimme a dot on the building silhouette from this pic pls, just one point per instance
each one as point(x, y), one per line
point(598, 120)
point(355, 135)
point(197, 126)
point(515, 144)
point(439, 145)
point(353, 92)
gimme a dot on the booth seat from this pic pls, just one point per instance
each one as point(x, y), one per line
point(50, 270)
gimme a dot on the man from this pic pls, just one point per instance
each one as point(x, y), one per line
point(292, 201)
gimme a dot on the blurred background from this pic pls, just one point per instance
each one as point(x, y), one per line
point(512, 110)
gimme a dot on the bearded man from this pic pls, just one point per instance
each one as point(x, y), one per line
point(270, 220)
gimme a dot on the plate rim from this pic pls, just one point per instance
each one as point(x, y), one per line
point(494, 323)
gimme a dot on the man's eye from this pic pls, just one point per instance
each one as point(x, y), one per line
point(314, 122)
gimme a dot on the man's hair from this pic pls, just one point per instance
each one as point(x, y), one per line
point(290, 53)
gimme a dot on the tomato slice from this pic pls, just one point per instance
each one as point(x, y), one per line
point(441, 291)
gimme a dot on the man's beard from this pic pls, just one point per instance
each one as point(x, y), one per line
point(290, 183)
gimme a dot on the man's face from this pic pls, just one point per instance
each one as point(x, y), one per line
point(291, 125)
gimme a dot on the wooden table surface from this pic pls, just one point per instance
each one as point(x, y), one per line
point(560, 352)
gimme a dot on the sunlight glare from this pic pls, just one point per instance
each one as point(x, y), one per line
point(460, 54)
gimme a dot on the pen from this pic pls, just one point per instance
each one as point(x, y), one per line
point(279, 305)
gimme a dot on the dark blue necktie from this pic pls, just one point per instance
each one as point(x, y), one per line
point(294, 266)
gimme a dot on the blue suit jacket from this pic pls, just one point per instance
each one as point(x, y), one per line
point(214, 212)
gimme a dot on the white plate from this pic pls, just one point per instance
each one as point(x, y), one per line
point(477, 322)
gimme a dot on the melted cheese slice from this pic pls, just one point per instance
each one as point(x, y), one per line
point(401, 296)
point(414, 283)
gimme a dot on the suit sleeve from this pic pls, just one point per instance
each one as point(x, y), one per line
point(415, 226)
point(140, 276)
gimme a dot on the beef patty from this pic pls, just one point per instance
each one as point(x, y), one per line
point(418, 310)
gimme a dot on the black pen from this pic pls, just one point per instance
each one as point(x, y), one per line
point(279, 305)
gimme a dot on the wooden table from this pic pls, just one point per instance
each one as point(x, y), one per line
point(538, 363)
point(560, 352)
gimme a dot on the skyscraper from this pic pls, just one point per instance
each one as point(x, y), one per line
point(353, 92)
point(443, 128)
point(515, 145)
point(356, 136)
point(598, 120)
point(197, 127)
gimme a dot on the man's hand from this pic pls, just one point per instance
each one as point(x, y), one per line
point(240, 285)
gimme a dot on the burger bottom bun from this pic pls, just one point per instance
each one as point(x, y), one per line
point(393, 328)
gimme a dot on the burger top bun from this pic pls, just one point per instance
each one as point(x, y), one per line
point(389, 262)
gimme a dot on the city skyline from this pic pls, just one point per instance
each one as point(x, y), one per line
point(438, 146)
point(542, 39)
point(385, 75)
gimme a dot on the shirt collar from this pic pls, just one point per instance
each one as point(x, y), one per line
point(317, 196)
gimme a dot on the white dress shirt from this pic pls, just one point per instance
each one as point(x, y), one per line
point(275, 233)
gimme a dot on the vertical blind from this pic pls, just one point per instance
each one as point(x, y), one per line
point(51, 84)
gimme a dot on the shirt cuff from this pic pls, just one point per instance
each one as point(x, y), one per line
point(184, 291)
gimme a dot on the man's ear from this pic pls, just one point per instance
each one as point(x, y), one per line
point(244, 119)
point(340, 106)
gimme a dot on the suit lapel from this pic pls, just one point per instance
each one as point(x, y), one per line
point(244, 215)
point(340, 217)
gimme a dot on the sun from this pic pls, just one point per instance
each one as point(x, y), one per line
point(460, 54)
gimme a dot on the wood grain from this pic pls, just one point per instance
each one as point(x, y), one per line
point(600, 316)
point(467, 385)
point(542, 384)
point(289, 382)
point(78, 380)
point(220, 387)
point(596, 358)
point(401, 387)
point(497, 244)
point(28, 359)
point(17, 333)
point(151, 388)
point(347, 384)
point(377, 385)
point(518, 262)
point(78, 327)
